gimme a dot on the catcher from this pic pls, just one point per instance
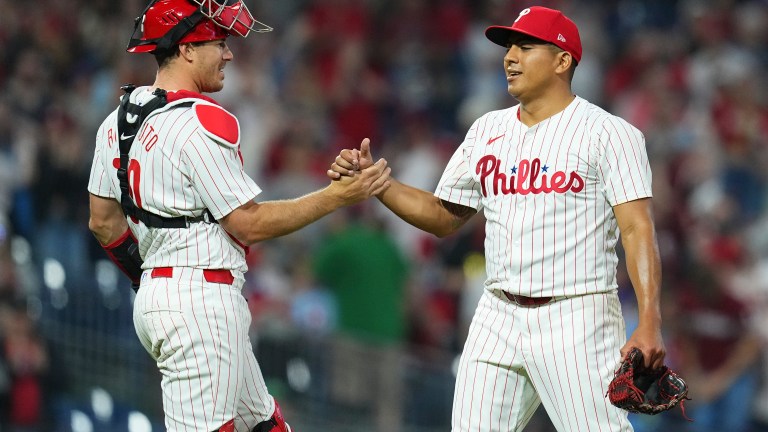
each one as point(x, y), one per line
point(640, 389)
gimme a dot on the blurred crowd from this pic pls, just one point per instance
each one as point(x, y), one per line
point(411, 75)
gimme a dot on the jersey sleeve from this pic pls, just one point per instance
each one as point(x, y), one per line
point(216, 169)
point(99, 182)
point(623, 166)
point(457, 184)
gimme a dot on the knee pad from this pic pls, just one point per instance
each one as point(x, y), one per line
point(228, 426)
point(276, 423)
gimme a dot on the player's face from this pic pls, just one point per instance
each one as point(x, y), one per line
point(211, 57)
point(530, 67)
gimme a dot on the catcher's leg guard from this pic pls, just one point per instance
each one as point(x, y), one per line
point(276, 423)
point(227, 427)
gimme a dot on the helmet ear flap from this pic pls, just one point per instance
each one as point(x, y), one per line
point(137, 37)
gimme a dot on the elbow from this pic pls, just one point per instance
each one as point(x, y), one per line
point(96, 226)
point(101, 229)
point(442, 232)
point(249, 240)
point(447, 227)
point(247, 237)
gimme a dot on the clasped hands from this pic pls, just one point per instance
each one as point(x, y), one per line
point(356, 176)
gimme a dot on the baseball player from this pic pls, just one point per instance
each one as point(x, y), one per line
point(172, 207)
point(558, 178)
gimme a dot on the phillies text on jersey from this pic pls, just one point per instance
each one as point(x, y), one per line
point(547, 186)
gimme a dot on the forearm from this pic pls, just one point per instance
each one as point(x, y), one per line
point(106, 222)
point(420, 208)
point(644, 268)
point(108, 225)
point(253, 222)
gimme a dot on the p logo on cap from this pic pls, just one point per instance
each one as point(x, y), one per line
point(548, 25)
point(523, 12)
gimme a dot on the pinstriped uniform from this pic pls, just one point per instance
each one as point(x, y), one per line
point(195, 329)
point(547, 193)
point(184, 172)
point(197, 332)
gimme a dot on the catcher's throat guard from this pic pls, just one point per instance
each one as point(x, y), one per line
point(642, 390)
point(166, 23)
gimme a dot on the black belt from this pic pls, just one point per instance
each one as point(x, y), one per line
point(527, 301)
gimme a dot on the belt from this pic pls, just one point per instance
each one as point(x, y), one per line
point(222, 276)
point(527, 301)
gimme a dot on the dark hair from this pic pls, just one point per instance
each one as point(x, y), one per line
point(163, 57)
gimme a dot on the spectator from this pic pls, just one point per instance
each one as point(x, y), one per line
point(371, 316)
point(718, 349)
point(25, 355)
point(684, 72)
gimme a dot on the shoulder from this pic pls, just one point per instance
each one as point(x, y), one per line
point(492, 122)
point(500, 115)
point(106, 132)
point(604, 123)
point(214, 121)
point(217, 123)
point(110, 121)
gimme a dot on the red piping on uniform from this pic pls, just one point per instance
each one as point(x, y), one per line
point(183, 94)
point(108, 249)
point(222, 276)
point(245, 247)
point(122, 238)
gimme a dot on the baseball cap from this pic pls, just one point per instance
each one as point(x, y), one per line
point(543, 23)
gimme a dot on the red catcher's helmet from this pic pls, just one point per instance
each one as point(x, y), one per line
point(166, 23)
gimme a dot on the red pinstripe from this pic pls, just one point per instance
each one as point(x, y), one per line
point(210, 375)
point(496, 374)
point(506, 381)
point(546, 244)
point(533, 368)
point(485, 342)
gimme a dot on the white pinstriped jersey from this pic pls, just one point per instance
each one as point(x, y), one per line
point(178, 168)
point(547, 192)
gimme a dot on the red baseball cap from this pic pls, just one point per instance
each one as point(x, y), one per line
point(547, 24)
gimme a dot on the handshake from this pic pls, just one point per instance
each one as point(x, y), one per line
point(356, 177)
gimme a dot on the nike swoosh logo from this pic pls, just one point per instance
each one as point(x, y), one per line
point(123, 137)
point(490, 141)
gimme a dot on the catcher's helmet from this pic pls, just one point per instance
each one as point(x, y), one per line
point(166, 23)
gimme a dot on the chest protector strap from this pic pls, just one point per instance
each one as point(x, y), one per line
point(130, 117)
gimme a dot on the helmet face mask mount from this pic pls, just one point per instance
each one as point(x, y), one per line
point(166, 23)
point(232, 15)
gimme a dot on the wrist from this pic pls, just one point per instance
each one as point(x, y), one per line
point(332, 196)
point(649, 324)
point(650, 314)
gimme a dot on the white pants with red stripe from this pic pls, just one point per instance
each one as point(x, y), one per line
point(562, 354)
point(197, 332)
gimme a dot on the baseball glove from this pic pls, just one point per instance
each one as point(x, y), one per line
point(638, 389)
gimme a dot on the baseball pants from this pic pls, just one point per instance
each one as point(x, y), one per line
point(562, 354)
point(197, 332)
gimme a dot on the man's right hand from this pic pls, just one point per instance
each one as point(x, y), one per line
point(366, 183)
point(349, 162)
